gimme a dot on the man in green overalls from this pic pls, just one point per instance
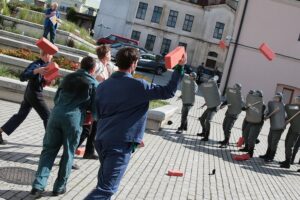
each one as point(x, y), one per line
point(73, 98)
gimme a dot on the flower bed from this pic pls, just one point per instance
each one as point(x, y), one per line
point(29, 55)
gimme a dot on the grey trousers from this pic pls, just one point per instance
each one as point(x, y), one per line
point(228, 124)
point(273, 139)
point(290, 142)
point(184, 114)
point(205, 120)
point(251, 133)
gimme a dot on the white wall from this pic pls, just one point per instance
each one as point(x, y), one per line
point(112, 15)
point(276, 23)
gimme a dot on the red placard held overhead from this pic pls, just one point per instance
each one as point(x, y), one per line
point(46, 46)
point(267, 51)
point(173, 57)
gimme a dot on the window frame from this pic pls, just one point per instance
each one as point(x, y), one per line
point(136, 33)
point(172, 19)
point(142, 10)
point(163, 45)
point(156, 15)
point(219, 30)
point(153, 38)
point(188, 23)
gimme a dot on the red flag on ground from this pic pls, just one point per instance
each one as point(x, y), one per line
point(267, 51)
point(175, 173)
point(80, 151)
point(222, 44)
point(46, 46)
point(173, 57)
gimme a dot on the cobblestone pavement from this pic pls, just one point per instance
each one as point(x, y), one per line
point(146, 176)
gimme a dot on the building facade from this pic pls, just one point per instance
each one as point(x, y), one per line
point(161, 25)
point(88, 7)
point(272, 22)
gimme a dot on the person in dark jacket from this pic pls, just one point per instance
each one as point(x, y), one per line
point(33, 96)
point(51, 22)
point(75, 95)
point(122, 105)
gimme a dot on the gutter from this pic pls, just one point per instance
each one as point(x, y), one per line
point(235, 47)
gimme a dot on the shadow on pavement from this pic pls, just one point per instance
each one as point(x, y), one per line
point(194, 143)
point(19, 194)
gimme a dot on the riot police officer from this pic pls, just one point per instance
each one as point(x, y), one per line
point(276, 114)
point(293, 115)
point(254, 122)
point(188, 92)
point(212, 98)
point(235, 103)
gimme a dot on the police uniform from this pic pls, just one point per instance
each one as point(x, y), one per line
point(255, 109)
point(293, 133)
point(33, 98)
point(74, 96)
point(188, 92)
point(212, 98)
point(235, 103)
point(277, 126)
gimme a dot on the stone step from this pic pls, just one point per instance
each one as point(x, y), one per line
point(12, 43)
point(30, 40)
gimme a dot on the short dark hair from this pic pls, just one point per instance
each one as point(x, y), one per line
point(126, 57)
point(88, 63)
point(102, 50)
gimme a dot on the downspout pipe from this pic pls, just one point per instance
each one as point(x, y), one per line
point(235, 46)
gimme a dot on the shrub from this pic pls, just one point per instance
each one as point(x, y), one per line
point(71, 15)
point(37, 18)
point(5, 72)
point(29, 55)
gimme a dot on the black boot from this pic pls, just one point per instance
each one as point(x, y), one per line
point(293, 157)
point(271, 156)
point(201, 134)
point(1, 139)
point(286, 164)
point(251, 152)
point(185, 127)
point(266, 155)
point(224, 143)
point(245, 149)
point(179, 130)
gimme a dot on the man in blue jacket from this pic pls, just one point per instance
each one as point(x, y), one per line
point(51, 20)
point(122, 103)
point(33, 96)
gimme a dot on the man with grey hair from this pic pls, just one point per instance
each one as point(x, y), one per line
point(51, 20)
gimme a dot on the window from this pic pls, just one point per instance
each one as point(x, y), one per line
point(142, 9)
point(211, 63)
point(165, 47)
point(212, 54)
point(188, 23)
point(156, 14)
point(172, 18)
point(135, 35)
point(150, 42)
point(219, 30)
point(182, 44)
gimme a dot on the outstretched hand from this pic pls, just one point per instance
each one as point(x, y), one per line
point(183, 60)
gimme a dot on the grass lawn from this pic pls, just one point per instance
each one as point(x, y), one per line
point(157, 103)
